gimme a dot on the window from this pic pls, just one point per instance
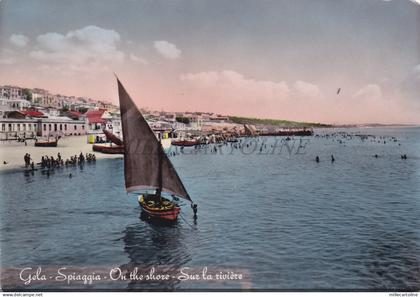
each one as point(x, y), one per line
point(83, 127)
point(3, 127)
point(45, 127)
point(49, 127)
point(55, 127)
point(65, 127)
point(24, 127)
point(75, 127)
point(10, 127)
point(61, 127)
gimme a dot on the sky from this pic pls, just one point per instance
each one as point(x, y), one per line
point(282, 59)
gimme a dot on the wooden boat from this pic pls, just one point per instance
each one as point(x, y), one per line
point(185, 142)
point(106, 149)
point(47, 143)
point(117, 148)
point(159, 208)
point(146, 166)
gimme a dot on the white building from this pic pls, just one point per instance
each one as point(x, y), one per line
point(12, 92)
point(7, 104)
point(30, 127)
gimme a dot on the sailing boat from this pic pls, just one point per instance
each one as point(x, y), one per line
point(146, 166)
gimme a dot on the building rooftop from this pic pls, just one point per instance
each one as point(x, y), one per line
point(95, 116)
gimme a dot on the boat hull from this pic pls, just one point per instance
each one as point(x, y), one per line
point(108, 149)
point(46, 143)
point(169, 215)
point(185, 142)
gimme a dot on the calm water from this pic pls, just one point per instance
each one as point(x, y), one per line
point(283, 220)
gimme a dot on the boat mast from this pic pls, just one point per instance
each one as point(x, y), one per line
point(160, 163)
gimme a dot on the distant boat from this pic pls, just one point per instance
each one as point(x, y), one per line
point(106, 149)
point(185, 142)
point(146, 166)
point(47, 143)
point(117, 148)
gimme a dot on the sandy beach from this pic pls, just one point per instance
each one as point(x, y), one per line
point(12, 152)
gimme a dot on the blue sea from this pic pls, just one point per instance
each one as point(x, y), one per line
point(267, 211)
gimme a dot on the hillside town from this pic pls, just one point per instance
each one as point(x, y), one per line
point(37, 114)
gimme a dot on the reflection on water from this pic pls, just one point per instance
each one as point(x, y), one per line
point(155, 245)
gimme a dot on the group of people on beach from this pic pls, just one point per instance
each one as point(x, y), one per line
point(80, 159)
point(50, 162)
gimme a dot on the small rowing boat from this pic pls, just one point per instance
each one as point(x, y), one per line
point(46, 143)
point(191, 142)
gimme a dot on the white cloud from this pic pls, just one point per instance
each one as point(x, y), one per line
point(376, 103)
point(248, 89)
point(18, 40)
point(138, 59)
point(307, 90)
point(414, 1)
point(84, 50)
point(234, 82)
point(167, 50)
point(369, 92)
point(233, 93)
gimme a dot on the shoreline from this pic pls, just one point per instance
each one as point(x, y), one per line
point(13, 152)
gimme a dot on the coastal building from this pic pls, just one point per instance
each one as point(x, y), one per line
point(95, 120)
point(7, 104)
point(18, 128)
point(31, 124)
point(219, 119)
point(168, 117)
point(12, 93)
point(100, 119)
point(61, 126)
point(195, 120)
point(74, 115)
point(12, 98)
point(162, 129)
point(23, 114)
